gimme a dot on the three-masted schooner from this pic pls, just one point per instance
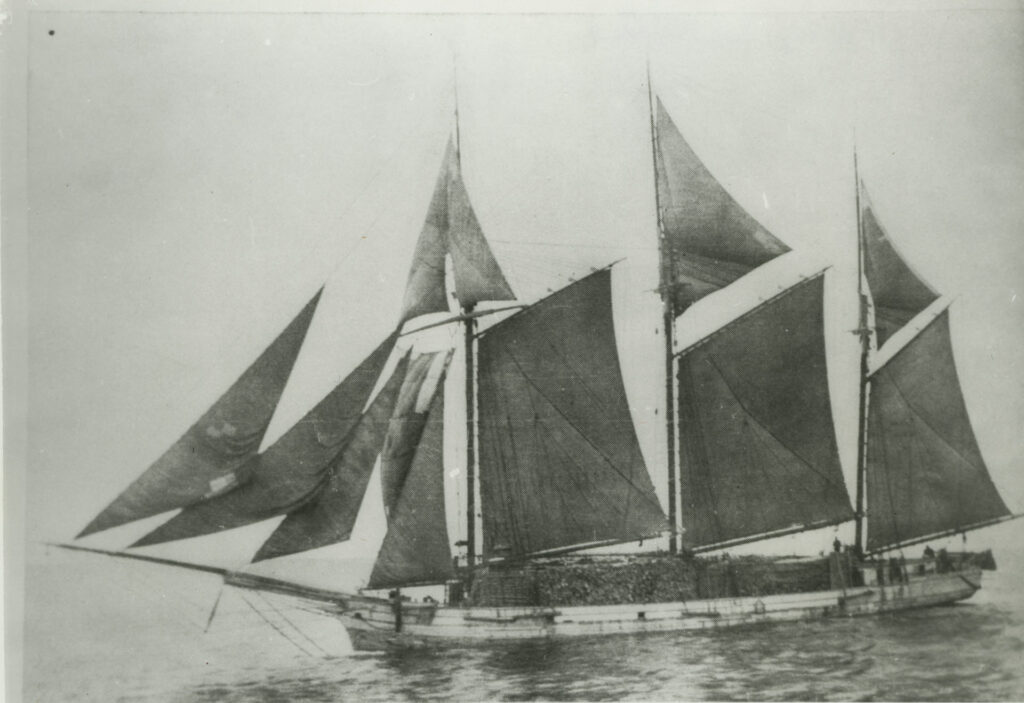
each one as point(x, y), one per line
point(554, 455)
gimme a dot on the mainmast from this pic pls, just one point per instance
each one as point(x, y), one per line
point(668, 321)
point(469, 324)
point(864, 332)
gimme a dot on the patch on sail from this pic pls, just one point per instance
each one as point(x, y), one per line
point(222, 484)
point(227, 436)
point(296, 467)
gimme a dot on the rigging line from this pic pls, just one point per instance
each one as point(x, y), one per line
point(587, 439)
point(294, 626)
point(573, 245)
point(753, 417)
point(378, 172)
point(213, 610)
point(276, 628)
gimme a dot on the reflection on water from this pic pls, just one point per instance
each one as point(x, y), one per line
point(964, 652)
point(132, 649)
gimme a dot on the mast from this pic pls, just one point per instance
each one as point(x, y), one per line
point(864, 332)
point(469, 325)
point(668, 322)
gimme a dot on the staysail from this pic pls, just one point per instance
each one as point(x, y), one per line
point(926, 475)
point(897, 292)
point(330, 516)
point(416, 547)
point(758, 448)
point(293, 468)
point(709, 241)
point(451, 227)
point(406, 426)
point(560, 464)
point(209, 459)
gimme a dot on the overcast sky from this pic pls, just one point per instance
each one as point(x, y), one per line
point(194, 178)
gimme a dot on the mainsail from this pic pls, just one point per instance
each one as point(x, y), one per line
point(212, 456)
point(451, 227)
point(560, 464)
point(898, 293)
point(709, 241)
point(926, 475)
point(293, 468)
point(758, 446)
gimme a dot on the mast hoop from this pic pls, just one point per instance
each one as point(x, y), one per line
point(701, 342)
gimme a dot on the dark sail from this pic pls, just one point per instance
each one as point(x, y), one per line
point(405, 427)
point(560, 464)
point(758, 449)
point(710, 241)
point(925, 471)
point(415, 548)
point(209, 458)
point(293, 468)
point(897, 292)
point(328, 517)
point(451, 227)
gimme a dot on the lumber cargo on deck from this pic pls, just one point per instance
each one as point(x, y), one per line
point(639, 578)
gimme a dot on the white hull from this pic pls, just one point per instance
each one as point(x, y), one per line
point(371, 621)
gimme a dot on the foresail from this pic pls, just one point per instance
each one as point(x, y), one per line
point(293, 468)
point(210, 458)
point(709, 240)
point(925, 471)
point(406, 425)
point(451, 227)
point(560, 464)
point(758, 448)
point(328, 516)
point(897, 292)
point(416, 547)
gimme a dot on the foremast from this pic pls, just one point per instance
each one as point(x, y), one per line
point(668, 327)
point(469, 330)
point(863, 332)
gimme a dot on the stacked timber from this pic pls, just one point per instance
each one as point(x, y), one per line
point(644, 579)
